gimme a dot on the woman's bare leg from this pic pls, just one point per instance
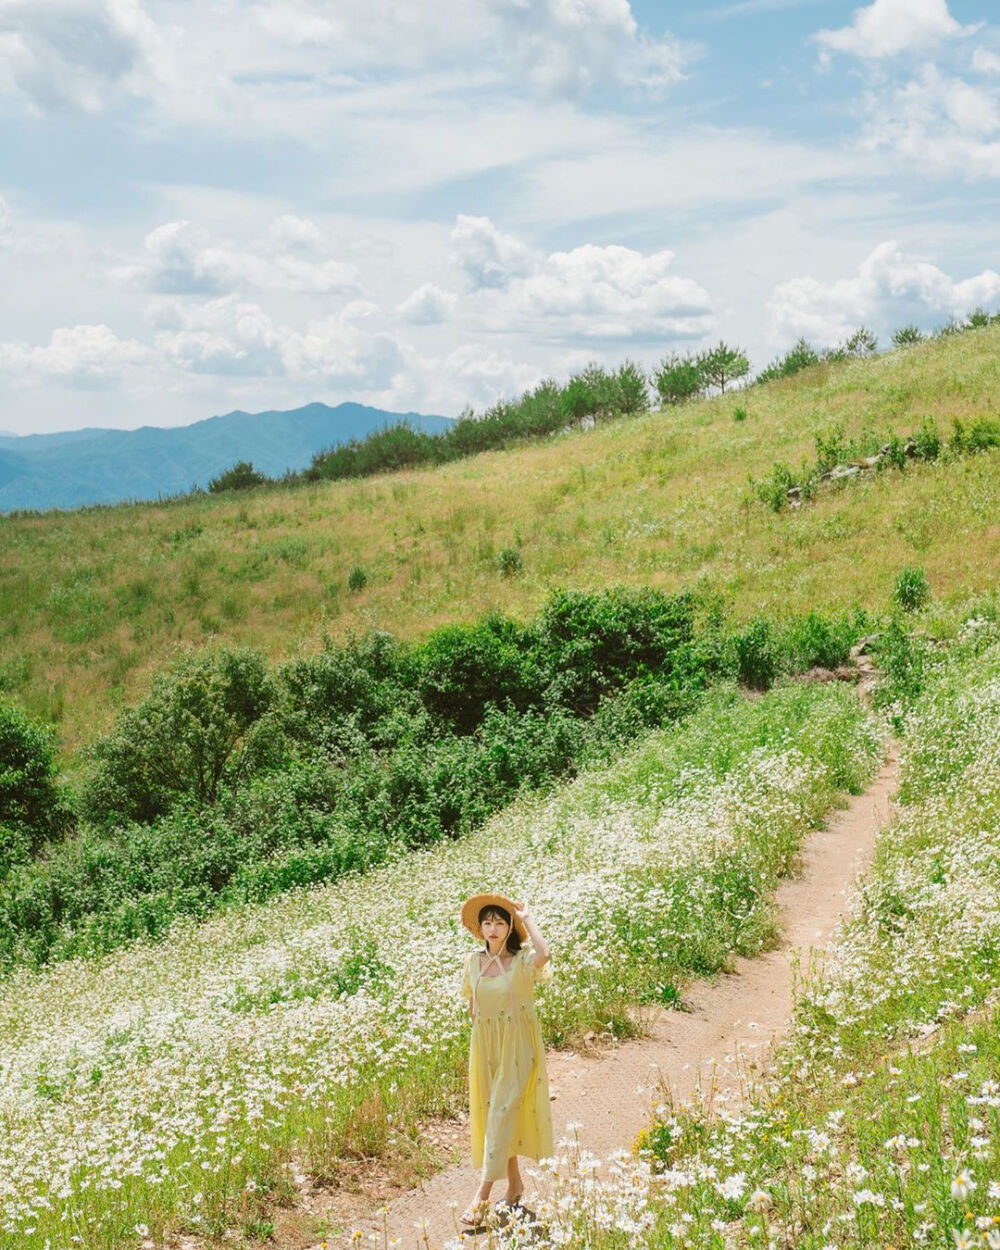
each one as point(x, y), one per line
point(515, 1185)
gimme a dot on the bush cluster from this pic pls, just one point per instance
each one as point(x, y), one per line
point(32, 810)
point(888, 451)
point(680, 378)
point(234, 781)
point(595, 394)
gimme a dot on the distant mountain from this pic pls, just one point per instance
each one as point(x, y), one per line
point(79, 467)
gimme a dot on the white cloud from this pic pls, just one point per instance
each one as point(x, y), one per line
point(939, 123)
point(613, 293)
point(591, 292)
point(427, 305)
point(183, 258)
point(565, 48)
point(232, 336)
point(336, 350)
point(77, 54)
point(889, 289)
point(888, 27)
point(985, 62)
point(224, 336)
point(239, 61)
point(487, 256)
point(82, 355)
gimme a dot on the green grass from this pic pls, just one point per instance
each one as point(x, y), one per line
point(93, 602)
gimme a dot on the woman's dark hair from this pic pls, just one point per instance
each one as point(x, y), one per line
point(491, 910)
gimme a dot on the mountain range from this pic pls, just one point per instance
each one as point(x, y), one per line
point(91, 466)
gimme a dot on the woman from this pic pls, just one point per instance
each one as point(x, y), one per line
point(508, 1086)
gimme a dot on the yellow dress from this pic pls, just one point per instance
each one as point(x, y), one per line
point(508, 1086)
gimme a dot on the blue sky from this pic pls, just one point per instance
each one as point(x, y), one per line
point(212, 204)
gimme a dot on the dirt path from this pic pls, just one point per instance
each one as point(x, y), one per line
point(730, 1030)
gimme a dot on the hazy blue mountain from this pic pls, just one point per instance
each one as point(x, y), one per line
point(79, 467)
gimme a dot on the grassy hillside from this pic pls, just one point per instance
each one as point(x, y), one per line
point(92, 602)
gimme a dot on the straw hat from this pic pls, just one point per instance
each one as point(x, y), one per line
point(474, 905)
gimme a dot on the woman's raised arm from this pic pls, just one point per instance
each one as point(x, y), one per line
point(542, 952)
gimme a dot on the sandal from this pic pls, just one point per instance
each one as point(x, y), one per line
point(473, 1218)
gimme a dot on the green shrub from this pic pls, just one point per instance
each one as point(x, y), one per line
point(981, 435)
point(343, 693)
point(927, 440)
point(825, 642)
point(756, 652)
point(32, 809)
point(895, 453)
point(206, 721)
point(906, 336)
point(510, 561)
point(464, 668)
point(800, 356)
point(678, 378)
point(832, 448)
point(774, 490)
point(589, 645)
point(739, 413)
point(902, 667)
point(242, 476)
point(357, 580)
point(863, 342)
point(911, 589)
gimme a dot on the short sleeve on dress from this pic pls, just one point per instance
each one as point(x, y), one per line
point(467, 976)
point(537, 975)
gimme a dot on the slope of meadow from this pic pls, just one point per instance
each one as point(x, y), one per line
point(92, 602)
point(175, 1086)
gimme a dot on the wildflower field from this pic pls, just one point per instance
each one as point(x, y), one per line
point(180, 1085)
point(881, 1124)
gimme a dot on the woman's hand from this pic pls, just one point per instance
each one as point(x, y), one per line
point(522, 913)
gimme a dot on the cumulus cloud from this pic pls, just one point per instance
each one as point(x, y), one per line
point(486, 256)
point(889, 289)
point(182, 258)
point(939, 123)
point(224, 336)
point(427, 305)
point(82, 355)
point(566, 49)
point(590, 292)
point(231, 336)
point(77, 55)
point(887, 28)
point(614, 293)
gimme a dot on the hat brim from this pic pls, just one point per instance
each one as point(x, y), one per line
point(474, 905)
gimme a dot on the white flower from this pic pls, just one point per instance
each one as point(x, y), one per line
point(733, 1187)
point(962, 1186)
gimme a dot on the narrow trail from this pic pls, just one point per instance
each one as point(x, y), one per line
point(730, 1031)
